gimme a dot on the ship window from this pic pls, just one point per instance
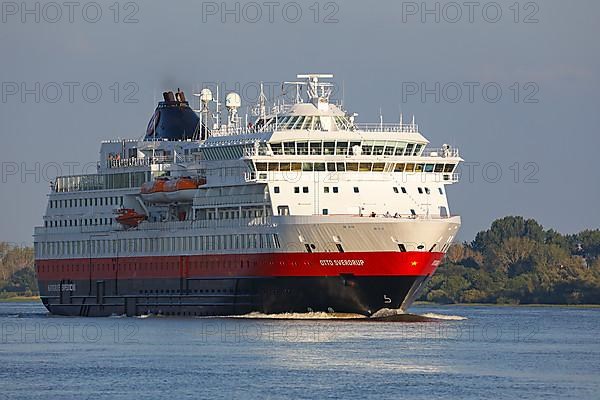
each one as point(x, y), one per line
point(341, 167)
point(342, 148)
point(417, 149)
point(335, 189)
point(448, 167)
point(440, 190)
point(326, 189)
point(319, 166)
point(289, 148)
point(276, 148)
point(420, 190)
point(329, 148)
point(427, 191)
point(378, 167)
point(399, 150)
point(325, 211)
point(351, 167)
point(296, 189)
point(410, 167)
point(389, 149)
point(259, 167)
point(273, 166)
point(403, 189)
point(302, 148)
point(428, 167)
point(356, 190)
point(395, 189)
point(307, 167)
point(284, 166)
point(439, 168)
point(378, 148)
point(401, 247)
point(412, 211)
point(399, 167)
point(367, 148)
point(419, 168)
point(305, 189)
point(331, 167)
point(365, 167)
point(339, 247)
point(276, 189)
point(315, 148)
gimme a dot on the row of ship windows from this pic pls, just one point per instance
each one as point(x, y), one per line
point(342, 148)
point(354, 167)
point(177, 244)
point(356, 189)
point(78, 222)
point(87, 202)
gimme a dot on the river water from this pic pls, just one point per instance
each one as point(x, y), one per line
point(466, 352)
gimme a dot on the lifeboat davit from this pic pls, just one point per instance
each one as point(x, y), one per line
point(130, 218)
point(164, 190)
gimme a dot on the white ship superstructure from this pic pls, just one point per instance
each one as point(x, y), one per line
point(301, 209)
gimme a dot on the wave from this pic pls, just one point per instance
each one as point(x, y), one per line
point(301, 316)
point(444, 317)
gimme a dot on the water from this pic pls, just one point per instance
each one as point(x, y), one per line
point(468, 353)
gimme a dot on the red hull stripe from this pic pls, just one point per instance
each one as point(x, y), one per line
point(242, 265)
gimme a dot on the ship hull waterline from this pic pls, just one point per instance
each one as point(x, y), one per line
point(235, 285)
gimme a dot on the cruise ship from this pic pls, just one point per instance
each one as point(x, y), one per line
point(296, 207)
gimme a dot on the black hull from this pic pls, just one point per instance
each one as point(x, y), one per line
point(233, 296)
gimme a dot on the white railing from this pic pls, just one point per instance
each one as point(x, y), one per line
point(375, 127)
point(443, 152)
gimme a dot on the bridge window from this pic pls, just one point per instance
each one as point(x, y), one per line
point(342, 148)
point(439, 168)
point(410, 167)
point(409, 149)
point(329, 148)
point(449, 167)
point(341, 167)
point(302, 148)
point(399, 167)
point(307, 167)
point(428, 167)
point(319, 167)
point(316, 148)
point(351, 167)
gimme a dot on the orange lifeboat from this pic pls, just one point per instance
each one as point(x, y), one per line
point(130, 218)
point(154, 191)
point(183, 189)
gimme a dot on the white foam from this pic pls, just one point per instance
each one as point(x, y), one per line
point(387, 312)
point(445, 317)
point(307, 315)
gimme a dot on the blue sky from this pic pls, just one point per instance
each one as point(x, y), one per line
point(541, 133)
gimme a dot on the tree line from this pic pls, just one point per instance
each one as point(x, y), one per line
point(17, 275)
point(517, 261)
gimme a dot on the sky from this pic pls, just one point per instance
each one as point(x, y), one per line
point(513, 85)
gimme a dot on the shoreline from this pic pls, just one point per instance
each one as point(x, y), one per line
point(427, 303)
point(20, 299)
